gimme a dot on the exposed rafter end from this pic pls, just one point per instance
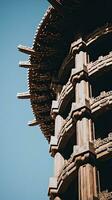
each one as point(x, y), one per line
point(26, 50)
point(56, 4)
point(33, 123)
point(24, 64)
point(24, 95)
point(27, 64)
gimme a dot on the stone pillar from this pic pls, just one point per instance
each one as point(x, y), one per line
point(82, 91)
point(84, 131)
point(58, 164)
point(59, 121)
point(87, 182)
point(58, 158)
point(92, 135)
point(57, 198)
point(82, 87)
point(87, 177)
point(80, 59)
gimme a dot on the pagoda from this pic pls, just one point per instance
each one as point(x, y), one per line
point(70, 90)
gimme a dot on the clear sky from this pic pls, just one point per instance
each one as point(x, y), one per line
point(25, 163)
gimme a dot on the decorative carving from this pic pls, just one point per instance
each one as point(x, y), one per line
point(78, 157)
point(78, 74)
point(99, 142)
point(109, 149)
point(103, 146)
point(103, 63)
point(78, 46)
point(98, 33)
point(101, 101)
point(101, 96)
point(79, 110)
point(105, 195)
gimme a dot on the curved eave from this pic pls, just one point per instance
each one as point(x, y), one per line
point(40, 78)
point(48, 51)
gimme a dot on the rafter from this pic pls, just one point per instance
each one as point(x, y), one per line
point(27, 64)
point(24, 95)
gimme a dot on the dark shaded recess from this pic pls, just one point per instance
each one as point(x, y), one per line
point(42, 103)
point(41, 93)
point(84, 19)
point(65, 69)
point(71, 192)
point(65, 7)
point(47, 122)
point(86, 15)
point(101, 47)
point(101, 83)
point(105, 173)
point(39, 81)
point(103, 125)
point(95, 13)
point(44, 113)
point(67, 106)
point(67, 109)
point(68, 150)
point(89, 17)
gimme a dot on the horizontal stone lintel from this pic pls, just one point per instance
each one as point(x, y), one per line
point(84, 148)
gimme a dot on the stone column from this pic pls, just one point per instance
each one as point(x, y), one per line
point(82, 87)
point(58, 158)
point(58, 164)
point(87, 182)
point(86, 173)
point(57, 198)
point(80, 59)
point(59, 121)
point(82, 91)
point(84, 131)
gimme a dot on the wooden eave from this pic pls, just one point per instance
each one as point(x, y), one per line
point(46, 55)
point(39, 79)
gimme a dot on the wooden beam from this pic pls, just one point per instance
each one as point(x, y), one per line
point(27, 50)
point(24, 95)
point(27, 64)
point(57, 5)
point(34, 122)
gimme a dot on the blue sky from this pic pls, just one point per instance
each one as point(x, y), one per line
point(25, 163)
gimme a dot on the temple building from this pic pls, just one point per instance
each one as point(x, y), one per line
point(70, 89)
